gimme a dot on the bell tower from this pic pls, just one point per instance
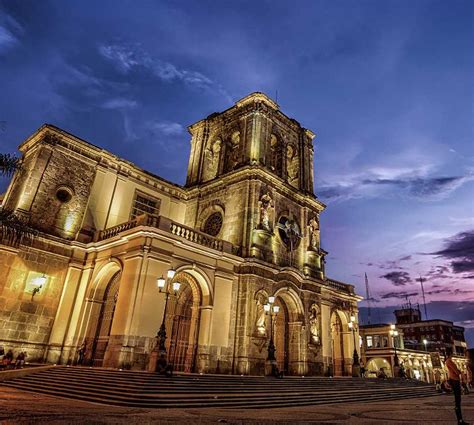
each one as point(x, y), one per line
point(252, 166)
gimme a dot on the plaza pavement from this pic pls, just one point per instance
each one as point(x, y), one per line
point(21, 407)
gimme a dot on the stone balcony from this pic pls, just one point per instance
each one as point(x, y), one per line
point(170, 226)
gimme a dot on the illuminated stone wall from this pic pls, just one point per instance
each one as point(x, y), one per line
point(26, 323)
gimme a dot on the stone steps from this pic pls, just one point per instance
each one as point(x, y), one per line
point(148, 390)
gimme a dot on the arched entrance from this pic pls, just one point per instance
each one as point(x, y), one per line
point(281, 336)
point(288, 331)
point(337, 345)
point(182, 322)
point(376, 365)
point(101, 321)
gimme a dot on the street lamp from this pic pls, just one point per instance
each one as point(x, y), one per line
point(164, 286)
point(425, 342)
point(355, 356)
point(272, 310)
point(394, 334)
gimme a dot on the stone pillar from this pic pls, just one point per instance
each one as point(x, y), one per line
point(202, 360)
point(61, 321)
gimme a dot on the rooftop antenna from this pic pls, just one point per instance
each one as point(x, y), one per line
point(367, 292)
point(421, 280)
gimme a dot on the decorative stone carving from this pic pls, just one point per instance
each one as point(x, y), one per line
point(212, 153)
point(314, 324)
point(266, 205)
point(260, 318)
point(313, 230)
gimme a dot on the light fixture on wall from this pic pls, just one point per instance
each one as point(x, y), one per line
point(37, 284)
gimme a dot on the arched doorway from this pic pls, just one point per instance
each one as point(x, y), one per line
point(288, 332)
point(281, 333)
point(376, 365)
point(182, 322)
point(101, 322)
point(337, 345)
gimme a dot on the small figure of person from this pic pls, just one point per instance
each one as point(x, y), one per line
point(163, 367)
point(454, 380)
point(20, 360)
point(437, 380)
point(401, 371)
point(8, 359)
point(277, 373)
point(82, 352)
point(382, 374)
point(362, 370)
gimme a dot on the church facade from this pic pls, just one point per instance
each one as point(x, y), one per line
point(243, 231)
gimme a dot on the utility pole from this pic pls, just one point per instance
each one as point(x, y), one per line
point(367, 293)
point(421, 280)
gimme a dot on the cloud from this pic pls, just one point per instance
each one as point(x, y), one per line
point(399, 295)
point(427, 189)
point(120, 104)
point(460, 250)
point(397, 278)
point(128, 58)
point(167, 128)
point(9, 31)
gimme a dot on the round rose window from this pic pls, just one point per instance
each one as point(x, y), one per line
point(213, 224)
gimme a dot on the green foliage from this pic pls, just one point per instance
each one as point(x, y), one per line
point(9, 164)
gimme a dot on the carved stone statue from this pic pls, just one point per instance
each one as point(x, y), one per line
point(313, 227)
point(260, 319)
point(212, 155)
point(266, 204)
point(314, 324)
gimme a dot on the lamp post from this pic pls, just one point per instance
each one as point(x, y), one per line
point(164, 286)
point(394, 334)
point(272, 310)
point(425, 343)
point(355, 356)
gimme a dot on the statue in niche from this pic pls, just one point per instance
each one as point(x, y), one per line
point(314, 324)
point(234, 149)
point(313, 227)
point(292, 163)
point(266, 204)
point(275, 155)
point(212, 155)
point(260, 320)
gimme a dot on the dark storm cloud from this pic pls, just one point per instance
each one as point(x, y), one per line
point(429, 188)
point(397, 278)
point(459, 249)
point(400, 295)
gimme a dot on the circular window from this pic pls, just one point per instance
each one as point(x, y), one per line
point(63, 195)
point(213, 224)
point(289, 232)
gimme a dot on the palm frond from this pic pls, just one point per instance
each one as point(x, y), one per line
point(9, 164)
point(14, 231)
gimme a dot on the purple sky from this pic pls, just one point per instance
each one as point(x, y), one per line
point(385, 85)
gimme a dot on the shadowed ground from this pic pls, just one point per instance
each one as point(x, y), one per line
point(21, 407)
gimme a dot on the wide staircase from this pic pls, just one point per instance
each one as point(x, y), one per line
point(148, 390)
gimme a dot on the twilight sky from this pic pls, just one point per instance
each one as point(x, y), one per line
point(386, 86)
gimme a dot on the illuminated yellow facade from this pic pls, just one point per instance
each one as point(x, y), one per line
point(244, 227)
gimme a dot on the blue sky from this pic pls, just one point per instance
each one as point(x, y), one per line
point(385, 85)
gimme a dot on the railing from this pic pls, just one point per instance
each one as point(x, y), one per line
point(170, 226)
point(115, 230)
point(196, 236)
point(339, 286)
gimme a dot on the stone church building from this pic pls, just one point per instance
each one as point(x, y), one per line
point(244, 227)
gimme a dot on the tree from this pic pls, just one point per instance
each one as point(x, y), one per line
point(13, 230)
point(9, 164)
